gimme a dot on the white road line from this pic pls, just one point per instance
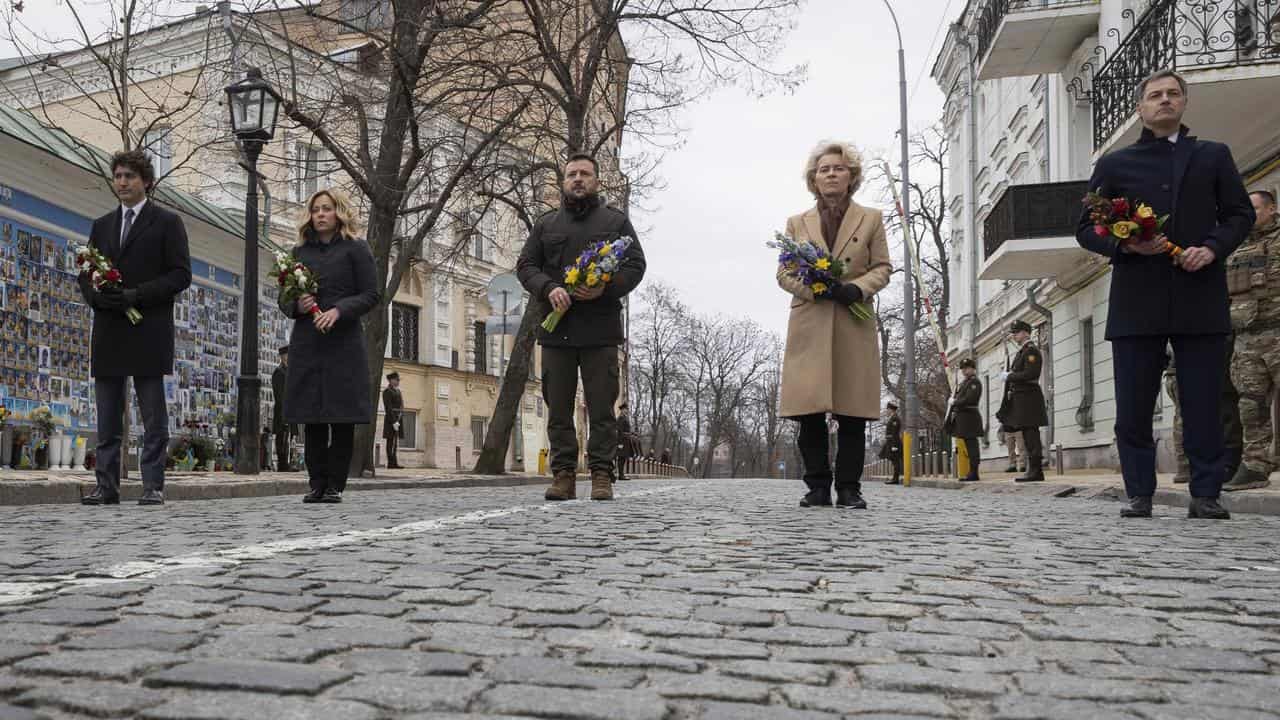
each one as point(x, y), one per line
point(25, 590)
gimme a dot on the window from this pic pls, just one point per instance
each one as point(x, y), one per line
point(409, 427)
point(366, 14)
point(306, 172)
point(481, 348)
point(477, 433)
point(404, 332)
point(158, 145)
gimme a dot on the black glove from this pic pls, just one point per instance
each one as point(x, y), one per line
point(110, 299)
point(130, 298)
point(845, 293)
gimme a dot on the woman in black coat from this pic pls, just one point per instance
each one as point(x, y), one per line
point(965, 422)
point(327, 386)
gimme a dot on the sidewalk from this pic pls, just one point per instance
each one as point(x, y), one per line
point(1093, 484)
point(37, 487)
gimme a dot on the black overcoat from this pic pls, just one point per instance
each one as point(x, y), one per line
point(156, 262)
point(966, 421)
point(892, 446)
point(328, 378)
point(392, 409)
point(1023, 404)
point(278, 377)
point(558, 237)
point(1197, 184)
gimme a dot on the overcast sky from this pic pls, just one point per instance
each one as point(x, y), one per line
point(736, 178)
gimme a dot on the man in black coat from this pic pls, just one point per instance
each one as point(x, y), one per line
point(148, 245)
point(964, 421)
point(590, 332)
point(1157, 301)
point(624, 442)
point(392, 409)
point(892, 448)
point(282, 430)
point(1023, 407)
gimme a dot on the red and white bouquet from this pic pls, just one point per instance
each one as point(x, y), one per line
point(294, 279)
point(103, 275)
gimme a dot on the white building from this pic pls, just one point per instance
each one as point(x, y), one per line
point(1036, 91)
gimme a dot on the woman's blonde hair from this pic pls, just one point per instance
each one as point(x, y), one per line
point(348, 224)
point(851, 156)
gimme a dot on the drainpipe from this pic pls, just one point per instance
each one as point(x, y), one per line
point(971, 158)
point(1046, 352)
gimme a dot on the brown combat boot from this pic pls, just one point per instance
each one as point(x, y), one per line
point(564, 486)
point(601, 485)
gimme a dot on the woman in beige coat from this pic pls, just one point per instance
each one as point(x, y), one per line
point(832, 360)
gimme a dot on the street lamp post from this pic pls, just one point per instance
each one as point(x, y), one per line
point(254, 107)
point(908, 291)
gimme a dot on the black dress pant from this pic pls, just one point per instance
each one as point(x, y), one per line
point(974, 451)
point(1139, 364)
point(155, 440)
point(393, 442)
point(1034, 448)
point(328, 449)
point(599, 368)
point(851, 438)
point(282, 451)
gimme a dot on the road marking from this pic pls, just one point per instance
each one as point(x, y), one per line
point(26, 590)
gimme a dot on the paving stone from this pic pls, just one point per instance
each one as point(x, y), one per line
point(13, 712)
point(837, 656)
point(774, 604)
point(86, 602)
point(259, 616)
point(62, 618)
point(553, 672)
point(834, 621)
point(540, 602)
point(853, 701)
point(916, 679)
point(734, 616)
point(981, 614)
point(283, 603)
point(31, 634)
point(440, 596)
point(414, 662)
point(1225, 695)
point(254, 646)
point(575, 704)
point(273, 677)
point(1054, 650)
point(483, 640)
point(1112, 671)
point(1092, 633)
point(404, 693)
point(973, 629)
point(1180, 711)
point(111, 639)
point(277, 586)
point(740, 711)
point(99, 664)
point(910, 642)
point(707, 686)
point(1201, 658)
point(483, 614)
point(896, 611)
point(775, 671)
point(712, 648)
point(1022, 707)
point(13, 652)
point(355, 590)
point(421, 580)
point(93, 698)
point(660, 627)
point(569, 620)
point(965, 663)
point(1076, 688)
point(257, 706)
point(174, 609)
point(368, 637)
point(638, 659)
point(612, 638)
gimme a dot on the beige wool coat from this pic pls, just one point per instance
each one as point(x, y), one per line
point(832, 360)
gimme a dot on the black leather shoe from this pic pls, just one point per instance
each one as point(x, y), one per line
point(331, 497)
point(313, 496)
point(969, 478)
point(1031, 476)
point(1138, 507)
point(893, 481)
point(151, 497)
point(1011, 469)
point(1207, 509)
point(817, 498)
point(850, 499)
point(98, 497)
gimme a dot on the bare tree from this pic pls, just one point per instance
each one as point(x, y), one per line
point(730, 358)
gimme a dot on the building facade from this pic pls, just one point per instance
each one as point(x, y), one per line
point(1036, 91)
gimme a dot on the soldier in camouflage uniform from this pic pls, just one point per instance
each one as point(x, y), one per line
point(1253, 279)
point(1233, 440)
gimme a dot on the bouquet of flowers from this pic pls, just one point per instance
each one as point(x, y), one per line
point(4, 417)
point(593, 268)
point(1127, 222)
point(102, 275)
point(815, 267)
point(294, 279)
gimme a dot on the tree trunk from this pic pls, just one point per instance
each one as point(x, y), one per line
point(493, 455)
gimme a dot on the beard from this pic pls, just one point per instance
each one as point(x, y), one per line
point(579, 206)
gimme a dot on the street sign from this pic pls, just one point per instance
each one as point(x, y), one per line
point(493, 326)
point(505, 294)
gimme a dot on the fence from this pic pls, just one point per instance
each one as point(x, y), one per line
point(645, 466)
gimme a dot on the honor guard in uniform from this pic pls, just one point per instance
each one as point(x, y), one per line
point(1023, 407)
point(392, 421)
point(1253, 279)
point(964, 421)
point(892, 448)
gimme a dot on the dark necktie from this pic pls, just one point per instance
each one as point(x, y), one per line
point(124, 231)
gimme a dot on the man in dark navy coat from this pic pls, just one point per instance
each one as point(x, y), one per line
point(148, 245)
point(1155, 300)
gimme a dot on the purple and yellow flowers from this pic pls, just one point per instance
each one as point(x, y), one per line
point(593, 268)
point(814, 267)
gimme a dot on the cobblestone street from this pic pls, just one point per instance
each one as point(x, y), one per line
point(682, 600)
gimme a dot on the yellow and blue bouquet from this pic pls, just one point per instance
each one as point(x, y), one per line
point(815, 267)
point(594, 267)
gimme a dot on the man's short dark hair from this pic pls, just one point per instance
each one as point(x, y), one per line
point(595, 166)
point(1159, 75)
point(137, 161)
point(1267, 195)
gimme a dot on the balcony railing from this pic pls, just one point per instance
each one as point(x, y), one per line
point(1026, 212)
point(992, 14)
point(1182, 35)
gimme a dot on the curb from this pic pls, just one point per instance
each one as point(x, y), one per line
point(69, 490)
point(1237, 502)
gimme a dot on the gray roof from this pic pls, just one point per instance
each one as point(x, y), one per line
point(26, 128)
